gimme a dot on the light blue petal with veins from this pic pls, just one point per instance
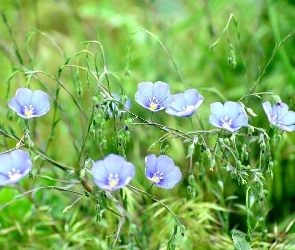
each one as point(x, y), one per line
point(144, 94)
point(161, 91)
point(268, 110)
point(217, 110)
point(241, 120)
point(23, 96)
point(215, 121)
point(165, 164)
point(232, 109)
point(151, 165)
point(282, 109)
point(193, 98)
point(172, 178)
point(289, 118)
point(40, 102)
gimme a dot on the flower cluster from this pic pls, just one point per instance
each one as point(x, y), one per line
point(114, 172)
point(230, 116)
point(156, 97)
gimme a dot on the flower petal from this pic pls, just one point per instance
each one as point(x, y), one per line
point(172, 178)
point(21, 160)
point(288, 118)
point(171, 111)
point(161, 90)
point(282, 109)
point(167, 102)
point(144, 94)
point(23, 96)
point(189, 111)
point(40, 102)
point(179, 102)
point(151, 165)
point(15, 165)
point(165, 164)
point(268, 110)
point(289, 128)
point(232, 109)
point(193, 98)
point(16, 107)
point(6, 163)
point(241, 120)
point(217, 110)
point(215, 121)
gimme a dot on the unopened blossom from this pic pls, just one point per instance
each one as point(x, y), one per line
point(185, 103)
point(29, 104)
point(230, 116)
point(155, 96)
point(113, 172)
point(162, 171)
point(14, 166)
point(115, 107)
point(279, 115)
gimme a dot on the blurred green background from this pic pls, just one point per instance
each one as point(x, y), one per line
point(41, 35)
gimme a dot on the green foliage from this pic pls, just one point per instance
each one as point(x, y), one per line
point(79, 52)
point(240, 242)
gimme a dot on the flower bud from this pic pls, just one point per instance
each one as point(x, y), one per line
point(262, 145)
point(277, 99)
point(250, 130)
point(208, 152)
point(189, 189)
point(191, 180)
point(250, 111)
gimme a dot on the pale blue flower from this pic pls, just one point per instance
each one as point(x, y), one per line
point(29, 104)
point(113, 172)
point(155, 96)
point(230, 116)
point(278, 115)
point(14, 166)
point(162, 171)
point(185, 103)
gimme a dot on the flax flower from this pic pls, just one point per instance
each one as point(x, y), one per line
point(29, 104)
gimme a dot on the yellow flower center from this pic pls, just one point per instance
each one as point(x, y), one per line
point(113, 183)
point(113, 180)
point(156, 179)
point(153, 106)
point(29, 111)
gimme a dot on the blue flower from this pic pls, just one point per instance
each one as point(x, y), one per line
point(29, 104)
point(185, 103)
point(279, 115)
point(113, 172)
point(155, 96)
point(230, 116)
point(14, 166)
point(115, 107)
point(162, 171)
